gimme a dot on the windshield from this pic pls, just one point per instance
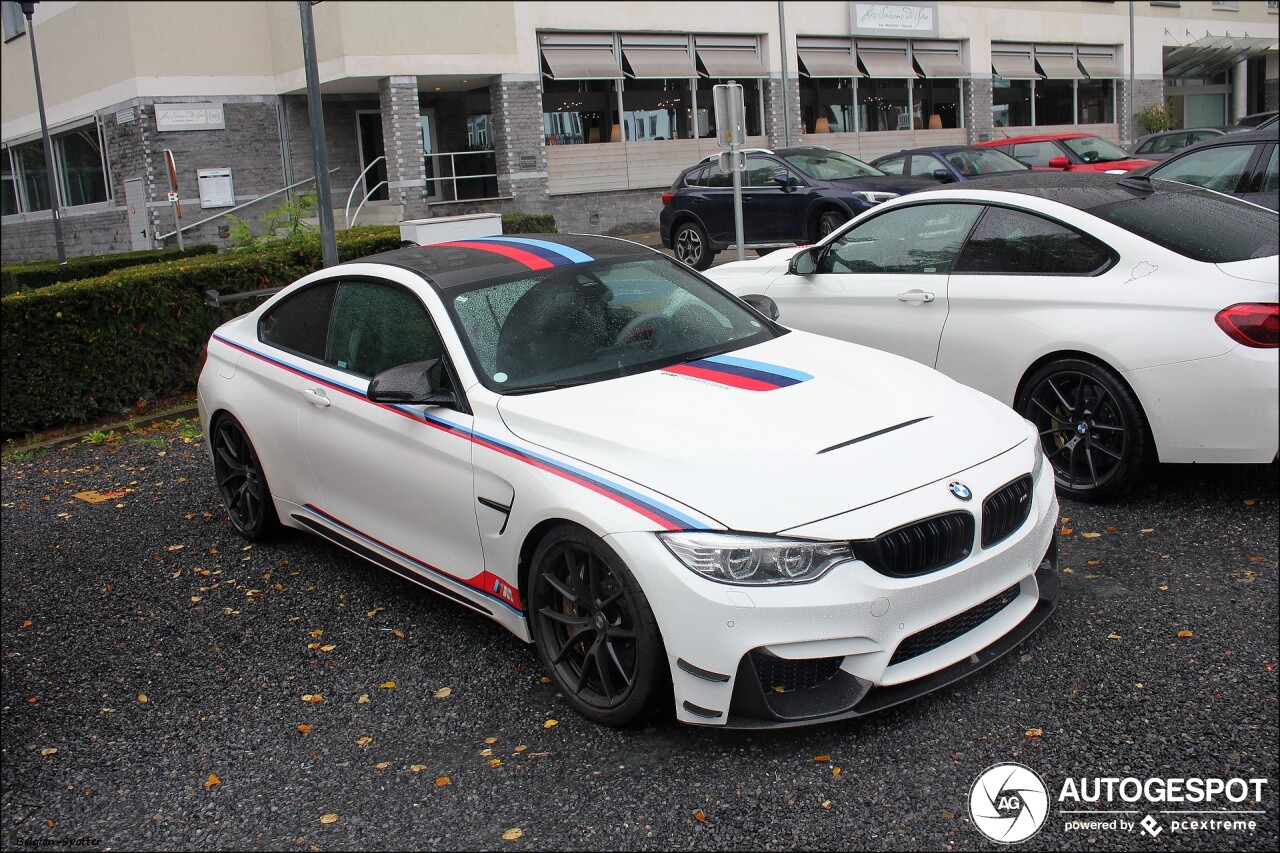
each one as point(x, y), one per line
point(589, 322)
point(984, 161)
point(831, 165)
point(1095, 149)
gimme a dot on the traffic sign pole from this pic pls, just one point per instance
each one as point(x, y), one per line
point(730, 121)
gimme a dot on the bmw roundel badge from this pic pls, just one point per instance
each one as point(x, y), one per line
point(960, 490)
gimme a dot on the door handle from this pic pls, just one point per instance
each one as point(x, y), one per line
point(915, 296)
point(317, 398)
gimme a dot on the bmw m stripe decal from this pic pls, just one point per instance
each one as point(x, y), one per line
point(535, 254)
point(740, 373)
point(666, 517)
point(492, 586)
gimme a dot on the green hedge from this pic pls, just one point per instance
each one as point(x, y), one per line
point(528, 223)
point(33, 274)
point(86, 349)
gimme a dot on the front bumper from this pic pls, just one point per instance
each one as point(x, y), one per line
point(854, 642)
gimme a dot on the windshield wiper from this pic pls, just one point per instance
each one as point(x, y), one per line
point(548, 386)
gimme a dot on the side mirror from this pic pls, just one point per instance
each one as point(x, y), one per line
point(409, 384)
point(783, 180)
point(806, 262)
point(1059, 163)
point(943, 176)
point(763, 304)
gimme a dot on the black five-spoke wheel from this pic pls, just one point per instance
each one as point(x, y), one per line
point(690, 245)
point(1091, 425)
point(594, 629)
point(241, 483)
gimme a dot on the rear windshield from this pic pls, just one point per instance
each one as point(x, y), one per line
point(1203, 226)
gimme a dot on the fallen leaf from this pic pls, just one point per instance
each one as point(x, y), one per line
point(417, 768)
point(1114, 636)
point(443, 693)
point(328, 648)
point(1094, 562)
point(1164, 587)
point(49, 751)
point(700, 816)
point(195, 598)
point(176, 547)
point(491, 740)
point(382, 765)
point(549, 723)
point(441, 781)
point(513, 834)
point(486, 752)
point(304, 728)
point(375, 611)
point(398, 633)
point(948, 814)
point(91, 497)
point(544, 680)
point(835, 771)
point(312, 698)
point(826, 804)
point(313, 645)
point(1147, 530)
point(1185, 634)
point(1090, 535)
point(142, 698)
point(1035, 733)
point(823, 757)
point(1138, 685)
point(364, 741)
point(1247, 502)
point(212, 780)
point(1269, 667)
point(1112, 529)
point(495, 762)
point(332, 817)
point(316, 633)
point(522, 747)
point(363, 700)
point(26, 623)
point(387, 685)
point(1067, 531)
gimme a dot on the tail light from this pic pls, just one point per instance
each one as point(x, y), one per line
point(1252, 324)
point(666, 198)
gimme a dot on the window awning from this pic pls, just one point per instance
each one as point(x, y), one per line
point(1212, 54)
point(1059, 67)
point(581, 63)
point(940, 64)
point(655, 64)
point(1014, 66)
point(884, 63)
point(1100, 67)
point(731, 63)
point(829, 63)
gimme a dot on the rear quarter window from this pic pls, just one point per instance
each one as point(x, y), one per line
point(1200, 225)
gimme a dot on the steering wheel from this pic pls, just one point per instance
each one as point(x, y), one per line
point(644, 327)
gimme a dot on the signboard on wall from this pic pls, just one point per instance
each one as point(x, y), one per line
point(206, 116)
point(216, 188)
point(894, 19)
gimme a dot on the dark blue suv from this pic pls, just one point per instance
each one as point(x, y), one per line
point(789, 196)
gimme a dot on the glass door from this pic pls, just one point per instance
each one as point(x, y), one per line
point(369, 134)
point(434, 167)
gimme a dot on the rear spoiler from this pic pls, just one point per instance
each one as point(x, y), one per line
point(214, 299)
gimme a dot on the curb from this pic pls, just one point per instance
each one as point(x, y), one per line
point(187, 411)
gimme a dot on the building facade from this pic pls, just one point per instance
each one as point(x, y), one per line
point(583, 110)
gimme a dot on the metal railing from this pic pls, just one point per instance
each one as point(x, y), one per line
point(451, 177)
point(225, 211)
point(355, 186)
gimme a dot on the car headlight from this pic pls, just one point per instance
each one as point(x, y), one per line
point(873, 197)
point(1038, 463)
point(739, 558)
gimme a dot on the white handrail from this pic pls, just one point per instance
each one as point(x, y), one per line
point(352, 222)
point(346, 212)
point(224, 212)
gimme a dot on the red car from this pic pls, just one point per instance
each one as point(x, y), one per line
point(1069, 152)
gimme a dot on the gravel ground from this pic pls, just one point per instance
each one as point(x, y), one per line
point(154, 669)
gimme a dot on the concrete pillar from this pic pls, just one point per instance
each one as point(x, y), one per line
point(519, 145)
point(977, 108)
point(402, 143)
point(773, 112)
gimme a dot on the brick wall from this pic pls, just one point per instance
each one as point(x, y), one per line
point(519, 143)
point(774, 127)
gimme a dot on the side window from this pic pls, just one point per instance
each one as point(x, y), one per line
point(300, 324)
point(924, 238)
point(892, 166)
point(1009, 242)
point(760, 172)
point(696, 178)
point(1213, 168)
point(923, 165)
point(1270, 180)
point(1036, 153)
point(1201, 136)
point(714, 177)
point(376, 326)
point(1169, 142)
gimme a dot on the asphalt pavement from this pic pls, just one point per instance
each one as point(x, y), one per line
point(167, 686)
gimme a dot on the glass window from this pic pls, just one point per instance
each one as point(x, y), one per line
point(1095, 149)
point(578, 111)
point(984, 161)
point(657, 109)
point(1226, 229)
point(826, 105)
point(83, 181)
point(1036, 153)
point(1008, 242)
point(1055, 102)
point(1096, 100)
point(588, 323)
point(15, 23)
point(712, 176)
point(882, 105)
point(707, 111)
point(35, 177)
point(1221, 168)
point(924, 238)
point(1270, 179)
point(1010, 102)
point(760, 172)
point(831, 165)
point(300, 323)
point(924, 165)
point(8, 185)
point(892, 165)
point(377, 326)
point(937, 97)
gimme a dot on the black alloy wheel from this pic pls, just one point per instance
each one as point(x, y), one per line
point(241, 482)
point(594, 630)
point(1090, 424)
point(690, 245)
point(829, 221)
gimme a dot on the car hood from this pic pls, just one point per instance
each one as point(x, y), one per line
point(839, 427)
point(754, 275)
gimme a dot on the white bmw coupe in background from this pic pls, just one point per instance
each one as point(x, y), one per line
point(1131, 320)
point(670, 495)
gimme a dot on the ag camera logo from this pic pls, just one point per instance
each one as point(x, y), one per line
point(1009, 803)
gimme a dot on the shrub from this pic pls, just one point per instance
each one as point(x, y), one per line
point(1154, 118)
point(528, 223)
point(85, 349)
point(33, 274)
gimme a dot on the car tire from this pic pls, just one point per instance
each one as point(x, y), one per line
point(1091, 426)
point(594, 629)
point(827, 222)
point(241, 481)
point(690, 245)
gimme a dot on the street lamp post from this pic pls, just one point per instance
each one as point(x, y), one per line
point(28, 9)
point(324, 196)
